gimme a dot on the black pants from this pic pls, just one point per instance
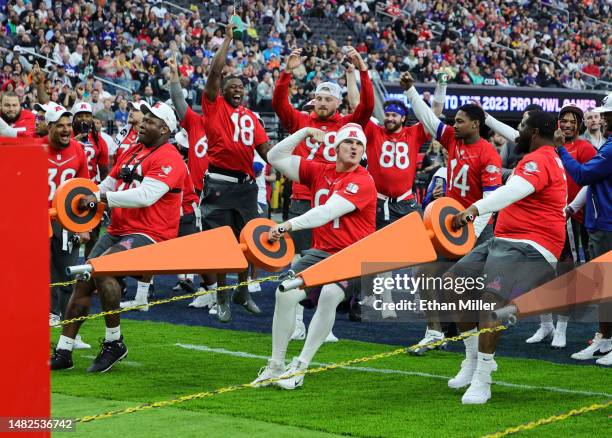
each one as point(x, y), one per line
point(64, 253)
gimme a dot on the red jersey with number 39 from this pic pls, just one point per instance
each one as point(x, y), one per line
point(392, 157)
point(357, 187)
point(540, 217)
point(197, 160)
point(159, 221)
point(472, 169)
point(65, 164)
point(233, 134)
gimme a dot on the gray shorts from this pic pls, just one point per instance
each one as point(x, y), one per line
point(388, 212)
point(351, 288)
point(507, 269)
point(121, 243)
point(227, 203)
point(301, 239)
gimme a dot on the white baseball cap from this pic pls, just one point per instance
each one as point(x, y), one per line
point(352, 131)
point(330, 89)
point(136, 105)
point(606, 105)
point(161, 111)
point(39, 107)
point(55, 112)
point(81, 107)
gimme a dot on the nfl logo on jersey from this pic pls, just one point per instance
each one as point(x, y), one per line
point(352, 188)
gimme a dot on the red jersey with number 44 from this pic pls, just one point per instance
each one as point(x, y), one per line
point(96, 155)
point(357, 187)
point(233, 134)
point(392, 157)
point(472, 169)
point(197, 160)
point(539, 217)
point(65, 164)
point(294, 120)
point(159, 221)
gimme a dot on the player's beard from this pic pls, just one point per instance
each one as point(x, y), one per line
point(522, 145)
point(392, 127)
point(10, 120)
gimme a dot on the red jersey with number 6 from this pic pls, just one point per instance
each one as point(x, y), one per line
point(540, 217)
point(472, 168)
point(357, 187)
point(65, 164)
point(159, 221)
point(197, 159)
point(392, 157)
point(233, 134)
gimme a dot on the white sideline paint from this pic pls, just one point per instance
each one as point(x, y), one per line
point(207, 349)
point(123, 362)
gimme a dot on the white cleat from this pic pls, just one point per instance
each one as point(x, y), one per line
point(431, 336)
point(605, 360)
point(330, 338)
point(368, 301)
point(479, 391)
point(599, 346)
point(388, 313)
point(54, 320)
point(79, 344)
point(299, 334)
point(288, 379)
point(543, 332)
point(465, 374)
point(134, 303)
point(201, 301)
point(559, 340)
point(214, 309)
point(271, 371)
point(254, 287)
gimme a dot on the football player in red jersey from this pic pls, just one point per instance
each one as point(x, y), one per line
point(528, 241)
point(144, 189)
point(230, 190)
point(344, 213)
point(66, 161)
point(571, 123)
point(14, 121)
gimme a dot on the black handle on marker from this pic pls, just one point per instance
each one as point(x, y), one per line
point(281, 230)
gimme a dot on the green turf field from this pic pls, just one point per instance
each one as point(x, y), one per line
point(397, 396)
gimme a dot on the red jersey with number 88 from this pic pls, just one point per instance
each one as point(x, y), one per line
point(392, 157)
point(233, 134)
point(356, 187)
point(472, 169)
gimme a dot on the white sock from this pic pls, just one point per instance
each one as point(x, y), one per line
point(486, 357)
point(299, 313)
point(142, 291)
point(546, 319)
point(210, 286)
point(562, 323)
point(113, 334)
point(283, 322)
point(471, 345)
point(180, 277)
point(65, 343)
point(322, 321)
point(189, 277)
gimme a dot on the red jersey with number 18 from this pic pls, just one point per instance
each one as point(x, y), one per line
point(540, 217)
point(65, 164)
point(233, 134)
point(392, 157)
point(197, 160)
point(472, 168)
point(357, 187)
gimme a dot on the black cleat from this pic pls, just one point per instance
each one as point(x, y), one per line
point(61, 359)
point(243, 298)
point(111, 353)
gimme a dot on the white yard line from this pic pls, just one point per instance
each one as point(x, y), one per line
point(400, 372)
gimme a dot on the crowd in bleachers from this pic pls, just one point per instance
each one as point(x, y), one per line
point(502, 43)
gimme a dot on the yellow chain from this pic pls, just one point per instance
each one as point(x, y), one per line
point(234, 388)
point(63, 283)
point(167, 300)
point(533, 424)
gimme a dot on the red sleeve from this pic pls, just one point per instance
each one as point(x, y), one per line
point(167, 167)
point(365, 108)
point(260, 133)
point(209, 107)
point(27, 121)
point(359, 190)
point(490, 168)
point(420, 134)
point(190, 117)
point(448, 135)
point(534, 169)
point(308, 171)
point(291, 118)
point(103, 159)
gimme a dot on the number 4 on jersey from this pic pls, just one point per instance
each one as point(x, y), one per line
point(459, 181)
